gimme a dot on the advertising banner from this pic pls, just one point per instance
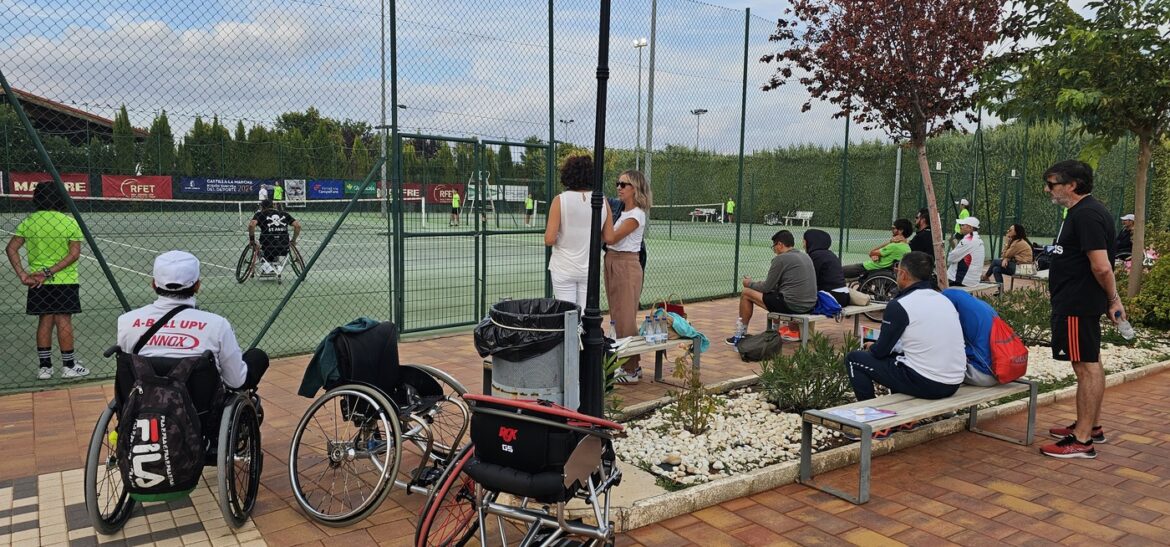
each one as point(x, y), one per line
point(515, 193)
point(294, 190)
point(200, 185)
point(326, 189)
point(22, 184)
point(351, 188)
point(122, 186)
point(441, 193)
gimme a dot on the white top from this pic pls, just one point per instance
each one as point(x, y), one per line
point(570, 254)
point(633, 242)
point(969, 250)
point(263, 193)
point(932, 343)
point(191, 332)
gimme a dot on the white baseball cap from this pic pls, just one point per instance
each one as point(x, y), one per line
point(1128, 217)
point(176, 270)
point(969, 221)
point(963, 202)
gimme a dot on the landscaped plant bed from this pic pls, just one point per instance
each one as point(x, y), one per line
point(747, 432)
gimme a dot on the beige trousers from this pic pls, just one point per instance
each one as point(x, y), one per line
point(623, 289)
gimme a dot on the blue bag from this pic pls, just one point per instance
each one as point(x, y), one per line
point(684, 329)
point(826, 305)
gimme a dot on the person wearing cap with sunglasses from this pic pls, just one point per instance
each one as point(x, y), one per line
point(965, 261)
point(192, 331)
point(963, 213)
point(1125, 237)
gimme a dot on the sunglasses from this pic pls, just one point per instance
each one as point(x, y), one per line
point(621, 184)
point(1050, 185)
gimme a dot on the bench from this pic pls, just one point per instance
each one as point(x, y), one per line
point(1028, 272)
point(908, 409)
point(976, 289)
point(707, 214)
point(802, 216)
point(807, 319)
point(639, 346)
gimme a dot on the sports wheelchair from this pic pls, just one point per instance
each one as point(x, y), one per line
point(230, 421)
point(379, 424)
point(253, 262)
point(881, 285)
point(525, 462)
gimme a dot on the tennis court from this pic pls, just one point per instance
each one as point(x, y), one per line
point(353, 275)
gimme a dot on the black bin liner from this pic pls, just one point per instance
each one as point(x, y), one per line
point(515, 330)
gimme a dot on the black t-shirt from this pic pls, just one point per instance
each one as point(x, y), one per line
point(923, 242)
point(1088, 227)
point(274, 225)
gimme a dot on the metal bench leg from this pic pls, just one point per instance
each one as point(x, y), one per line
point(1029, 429)
point(863, 472)
point(804, 334)
point(658, 356)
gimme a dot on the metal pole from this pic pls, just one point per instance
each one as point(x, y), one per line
point(592, 387)
point(747, 22)
point(382, 189)
point(897, 183)
point(550, 153)
point(396, 179)
point(650, 89)
point(844, 177)
point(639, 44)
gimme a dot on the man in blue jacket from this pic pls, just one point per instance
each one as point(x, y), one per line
point(976, 317)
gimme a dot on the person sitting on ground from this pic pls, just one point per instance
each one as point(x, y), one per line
point(965, 261)
point(976, 317)
point(790, 287)
point(885, 255)
point(923, 240)
point(192, 331)
point(1125, 237)
point(920, 349)
point(274, 240)
point(1017, 250)
point(828, 267)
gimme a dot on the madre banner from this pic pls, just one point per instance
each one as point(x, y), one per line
point(22, 184)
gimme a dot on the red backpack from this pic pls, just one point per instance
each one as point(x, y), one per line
point(1009, 355)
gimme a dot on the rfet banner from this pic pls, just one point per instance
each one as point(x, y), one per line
point(326, 189)
point(199, 185)
point(22, 184)
point(441, 193)
point(119, 186)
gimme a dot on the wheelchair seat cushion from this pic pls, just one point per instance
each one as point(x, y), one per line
point(544, 487)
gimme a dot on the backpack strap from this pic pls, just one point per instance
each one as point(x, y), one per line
point(156, 326)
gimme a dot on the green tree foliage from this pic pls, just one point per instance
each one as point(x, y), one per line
point(125, 155)
point(1105, 70)
point(359, 160)
point(158, 154)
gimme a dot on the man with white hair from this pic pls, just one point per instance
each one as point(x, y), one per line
point(191, 331)
point(965, 261)
point(1125, 236)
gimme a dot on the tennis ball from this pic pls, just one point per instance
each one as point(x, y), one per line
point(113, 436)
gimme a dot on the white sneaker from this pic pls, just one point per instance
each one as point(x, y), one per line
point(622, 377)
point(46, 373)
point(76, 371)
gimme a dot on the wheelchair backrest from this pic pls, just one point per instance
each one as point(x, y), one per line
point(370, 357)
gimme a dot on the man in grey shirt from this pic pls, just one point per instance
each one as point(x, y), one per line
point(791, 285)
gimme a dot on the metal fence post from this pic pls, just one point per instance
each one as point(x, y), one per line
point(747, 20)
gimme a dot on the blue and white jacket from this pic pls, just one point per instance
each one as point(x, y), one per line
point(921, 329)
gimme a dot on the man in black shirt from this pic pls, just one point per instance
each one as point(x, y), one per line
point(1125, 237)
point(1082, 288)
point(274, 225)
point(923, 241)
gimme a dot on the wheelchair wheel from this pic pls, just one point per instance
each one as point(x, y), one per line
point(449, 417)
point(883, 288)
point(106, 499)
point(295, 259)
point(240, 460)
point(247, 263)
point(345, 454)
point(450, 515)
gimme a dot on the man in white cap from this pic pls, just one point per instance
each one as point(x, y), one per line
point(1125, 236)
point(963, 213)
point(965, 261)
point(192, 331)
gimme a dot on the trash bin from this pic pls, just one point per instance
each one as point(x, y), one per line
point(526, 340)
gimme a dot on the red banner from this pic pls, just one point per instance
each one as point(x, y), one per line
point(438, 194)
point(22, 184)
point(121, 186)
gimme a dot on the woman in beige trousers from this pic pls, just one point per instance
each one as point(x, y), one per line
point(623, 273)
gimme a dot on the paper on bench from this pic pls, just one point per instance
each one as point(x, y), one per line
point(621, 343)
point(863, 414)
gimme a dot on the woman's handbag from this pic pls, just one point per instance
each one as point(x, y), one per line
point(671, 307)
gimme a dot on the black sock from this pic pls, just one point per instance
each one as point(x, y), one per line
point(67, 358)
point(45, 356)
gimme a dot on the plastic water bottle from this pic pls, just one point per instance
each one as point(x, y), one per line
point(611, 332)
point(663, 329)
point(659, 335)
point(644, 330)
point(739, 329)
point(1125, 328)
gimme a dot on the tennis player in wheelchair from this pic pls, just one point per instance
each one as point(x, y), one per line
point(274, 240)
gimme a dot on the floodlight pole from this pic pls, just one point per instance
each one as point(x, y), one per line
point(639, 44)
point(565, 129)
point(592, 386)
point(697, 112)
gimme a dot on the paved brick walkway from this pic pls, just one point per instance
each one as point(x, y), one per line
point(916, 492)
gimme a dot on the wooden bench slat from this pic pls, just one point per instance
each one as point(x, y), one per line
point(911, 408)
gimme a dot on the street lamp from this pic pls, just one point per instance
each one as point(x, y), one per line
point(697, 112)
point(565, 128)
point(639, 44)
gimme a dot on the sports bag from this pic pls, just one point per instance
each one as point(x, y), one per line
point(826, 305)
point(760, 346)
point(1009, 355)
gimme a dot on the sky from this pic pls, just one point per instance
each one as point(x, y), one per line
point(468, 69)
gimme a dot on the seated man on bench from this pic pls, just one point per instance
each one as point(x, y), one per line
point(885, 255)
point(920, 350)
point(791, 287)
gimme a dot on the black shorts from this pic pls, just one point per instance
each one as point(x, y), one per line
point(528, 211)
point(774, 303)
point(53, 299)
point(1076, 338)
point(454, 210)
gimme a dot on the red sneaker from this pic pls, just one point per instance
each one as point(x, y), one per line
point(1069, 447)
point(1062, 432)
point(789, 335)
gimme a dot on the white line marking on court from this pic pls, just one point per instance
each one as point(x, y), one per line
point(112, 265)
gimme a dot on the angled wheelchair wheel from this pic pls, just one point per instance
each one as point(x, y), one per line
point(240, 460)
point(106, 499)
point(882, 287)
point(345, 454)
point(450, 515)
point(295, 259)
point(246, 265)
point(449, 417)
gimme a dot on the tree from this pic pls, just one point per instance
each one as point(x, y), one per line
point(359, 160)
point(904, 66)
point(158, 157)
point(1107, 71)
point(504, 162)
point(125, 158)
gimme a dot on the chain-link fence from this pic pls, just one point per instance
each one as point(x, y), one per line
point(166, 120)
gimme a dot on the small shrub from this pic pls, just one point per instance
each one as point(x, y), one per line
point(609, 365)
point(1151, 306)
point(1028, 311)
point(694, 405)
point(813, 377)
